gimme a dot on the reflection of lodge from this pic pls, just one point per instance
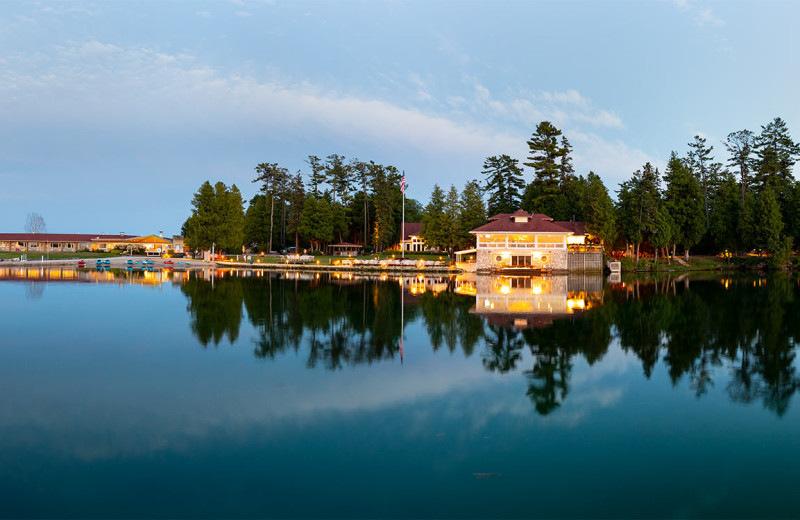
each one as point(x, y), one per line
point(533, 301)
point(71, 274)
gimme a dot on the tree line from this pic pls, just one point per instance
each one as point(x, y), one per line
point(749, 202)
point(336, 201)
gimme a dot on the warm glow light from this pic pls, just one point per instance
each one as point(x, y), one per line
point(505, 289)
point(536, 289)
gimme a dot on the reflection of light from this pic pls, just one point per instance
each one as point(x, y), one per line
point(575, 304)
point(505, 289)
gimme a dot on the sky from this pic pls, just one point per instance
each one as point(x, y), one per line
point(112, 114)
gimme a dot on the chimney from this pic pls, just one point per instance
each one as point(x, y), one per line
point(161, 234)
point(122, 233)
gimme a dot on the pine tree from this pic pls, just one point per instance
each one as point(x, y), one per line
point(297, 200)
point(273, 179)
point(598, 211)
point(433, 218)
point(472, 213)
point(683, 199)
point(700, 160)
point(317, 175)
point(338, 175)
point(504, 184)
point(547, 158)
point(740, 146)
point(256, 222)
point(725, 216)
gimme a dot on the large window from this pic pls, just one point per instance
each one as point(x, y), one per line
point(521, 260)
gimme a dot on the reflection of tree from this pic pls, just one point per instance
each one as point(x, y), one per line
point(448, 321)
point(215, 308)
point(694, 326)
point(503, 349)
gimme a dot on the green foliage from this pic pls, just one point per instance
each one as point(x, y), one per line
point(217, 218)
point(683, 200)
point(472, 213)
point(504, 184)
point(551, 165)
point(725, 217)
point(316, 223)
point(256, 223)
point(598, 210)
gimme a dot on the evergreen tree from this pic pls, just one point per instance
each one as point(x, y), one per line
point(598, 211)
point(338, 175)
point(317, 175)
point(231, 210)
point(768, 222)
point(386, 197)
point(740, 146)
point(547, 158)
point(316, 224)
point(433, 219)
point(700, 161)
point(746, 226)
point(273, 179)
point(638, 205)
point(256, 222)
point(775, 154)
point(217, 218)
point(472, 213)
point(725, 216)
point(684, 200)
point(297, 199)
point(451, 233)
point(504, 184)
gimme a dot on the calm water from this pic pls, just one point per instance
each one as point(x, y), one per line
point(240, 394)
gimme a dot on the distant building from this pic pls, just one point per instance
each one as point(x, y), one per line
point(412, 239)
point(72, 242)
point(525, 241)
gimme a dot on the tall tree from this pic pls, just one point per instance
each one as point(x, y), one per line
point(725, 216)
point(547, 160)
point(638, 204)
point(504, 184)
point(740, 147)
point(683, 198)
point(256, 222)
point(297, 200)
point(316, 224)
point(317, 175)
point(472, 213)
point(598, 210)
point(217, 218)
point(700, 161)
point(433, 219)
point(273, 180)
point(338, 175)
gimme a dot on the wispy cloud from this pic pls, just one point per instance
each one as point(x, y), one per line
point(203, 14)
point(702, 16)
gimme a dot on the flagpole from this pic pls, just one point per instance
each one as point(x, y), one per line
point(403, 225)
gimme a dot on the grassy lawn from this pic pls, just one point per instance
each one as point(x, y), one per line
point(696, 263)
point(329, 260)
point(36, 255)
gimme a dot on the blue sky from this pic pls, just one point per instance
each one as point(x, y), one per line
point(113, 113)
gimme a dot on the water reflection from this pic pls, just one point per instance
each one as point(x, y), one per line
point(737, 328)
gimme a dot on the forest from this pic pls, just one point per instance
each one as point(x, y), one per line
point(745, 200)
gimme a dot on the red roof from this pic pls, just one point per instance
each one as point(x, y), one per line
point(412, 229)
point(59, 237)
point(578, 228)
point(537, 223)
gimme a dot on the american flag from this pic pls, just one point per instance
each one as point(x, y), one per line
point(403, 184)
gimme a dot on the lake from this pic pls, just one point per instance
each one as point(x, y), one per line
point(246, 394)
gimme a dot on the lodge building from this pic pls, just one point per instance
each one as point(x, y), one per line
point(533, 241)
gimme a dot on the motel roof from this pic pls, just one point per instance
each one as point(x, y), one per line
point(534, 223)
point(60, 237)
